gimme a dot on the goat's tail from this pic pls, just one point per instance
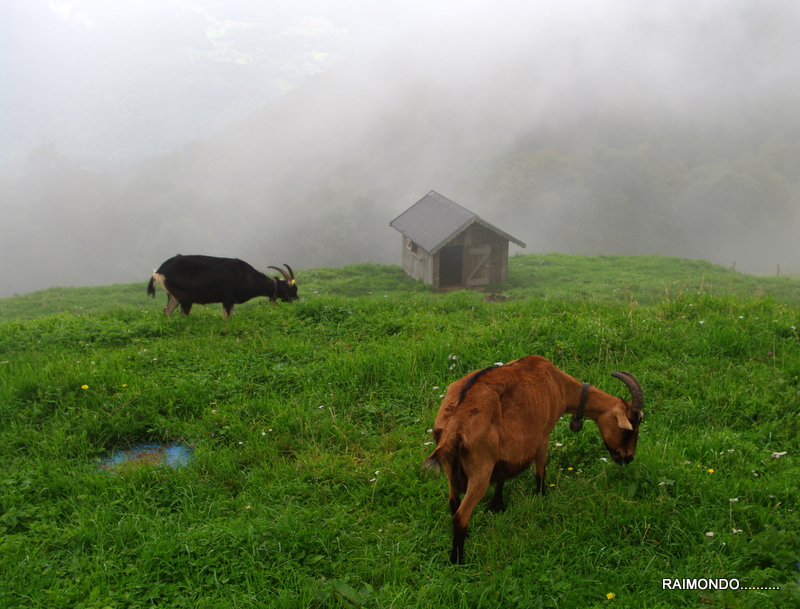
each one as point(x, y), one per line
point(151, 287)
point(433, 462)
point(446, 452)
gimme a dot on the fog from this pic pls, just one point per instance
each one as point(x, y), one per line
point(132, 131)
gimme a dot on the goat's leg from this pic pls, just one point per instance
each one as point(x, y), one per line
point(476, 488)
point(496, 504)
point(452, 473)
point(541, 461)
point(454, 501)
point(172, 303)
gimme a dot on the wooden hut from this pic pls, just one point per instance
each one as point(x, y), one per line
point(448, 246)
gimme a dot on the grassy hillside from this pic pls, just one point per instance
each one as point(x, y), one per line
point(630, 279)
point(353, 280)
point(309, 423)
point(643, 280)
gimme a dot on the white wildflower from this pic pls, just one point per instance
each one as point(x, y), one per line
point(778, 455)
point(710, 534)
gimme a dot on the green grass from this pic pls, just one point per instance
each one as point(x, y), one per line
point(639, 280)
point(309, 425)
point(353, 280)
point(643, 280)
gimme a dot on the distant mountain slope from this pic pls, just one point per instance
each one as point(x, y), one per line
point(596, 132)
point(115, 82)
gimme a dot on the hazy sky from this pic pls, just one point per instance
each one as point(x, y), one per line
point(82, 73)
point(86, 74)
point(404, 97)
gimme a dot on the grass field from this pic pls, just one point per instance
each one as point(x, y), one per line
point(309, 423)
point(633, 280)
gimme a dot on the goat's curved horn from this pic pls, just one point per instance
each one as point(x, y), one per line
point(293, 280)
point(282, 272)
point(637, 396)
point(274, 296)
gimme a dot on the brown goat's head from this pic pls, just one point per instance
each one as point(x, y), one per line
point(619, 425)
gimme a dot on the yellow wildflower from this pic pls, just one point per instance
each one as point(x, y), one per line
point(84, 386)
point(610, 595)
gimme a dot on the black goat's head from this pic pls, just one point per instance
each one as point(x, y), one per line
point(286, 288)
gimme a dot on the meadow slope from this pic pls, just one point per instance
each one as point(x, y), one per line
point(639, 280)
point(309, 423)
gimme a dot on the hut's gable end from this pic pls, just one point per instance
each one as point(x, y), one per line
point(446, 245)
point(417, 262)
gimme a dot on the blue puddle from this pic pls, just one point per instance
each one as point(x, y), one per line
point(171, 454)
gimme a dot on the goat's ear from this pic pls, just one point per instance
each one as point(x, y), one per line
point(622, 420)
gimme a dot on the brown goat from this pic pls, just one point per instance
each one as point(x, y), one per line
point(495, 422)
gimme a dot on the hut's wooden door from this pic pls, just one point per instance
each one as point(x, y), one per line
point(451, 266)
point(478, 265)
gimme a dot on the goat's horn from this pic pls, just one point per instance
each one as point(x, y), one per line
point(282, 272)
point(637, 396)
point(293, 280)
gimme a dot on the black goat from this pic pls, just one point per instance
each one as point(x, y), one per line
point(204, 279)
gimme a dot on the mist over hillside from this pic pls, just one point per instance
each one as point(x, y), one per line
point(666, 128)
point(109, 83)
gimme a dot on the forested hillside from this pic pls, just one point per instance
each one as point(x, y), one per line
point(664, 153)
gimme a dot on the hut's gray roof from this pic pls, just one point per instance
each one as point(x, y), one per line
point(434, 220)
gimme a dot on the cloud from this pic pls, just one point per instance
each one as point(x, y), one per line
point(65, 11)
